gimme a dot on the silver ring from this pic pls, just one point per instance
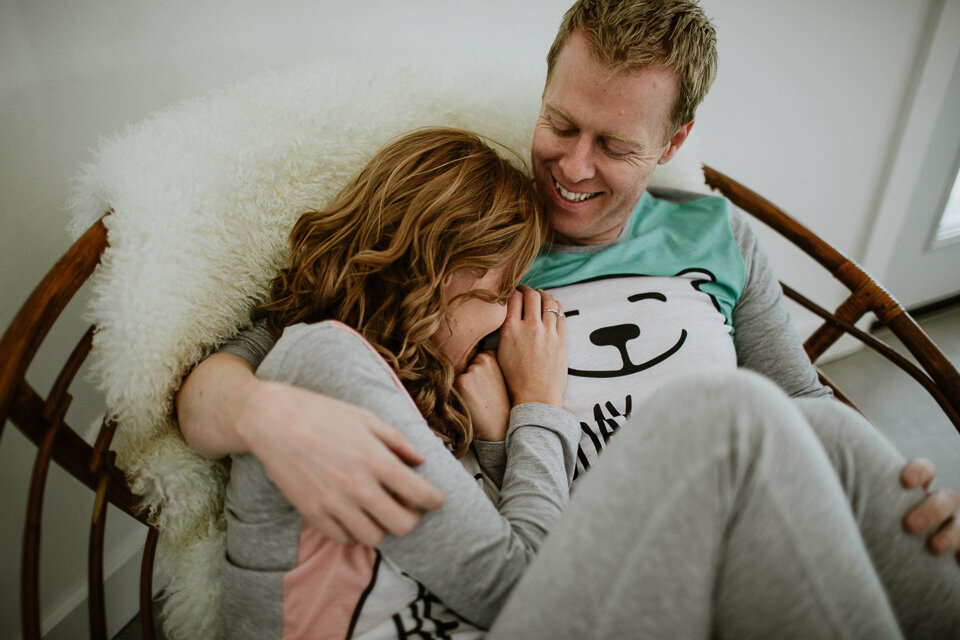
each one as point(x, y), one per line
point(556, 311)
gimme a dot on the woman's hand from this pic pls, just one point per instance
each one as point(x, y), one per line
point(533, 348)
point(485, 393)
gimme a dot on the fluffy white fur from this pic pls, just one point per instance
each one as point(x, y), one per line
point(203, 196)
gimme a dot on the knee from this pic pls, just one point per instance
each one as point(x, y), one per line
point(725, 395)
point(854, 446)
point(722, 409)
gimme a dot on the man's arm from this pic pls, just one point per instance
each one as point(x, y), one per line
point(767, 342)
point(208, 420)
point(342, 467)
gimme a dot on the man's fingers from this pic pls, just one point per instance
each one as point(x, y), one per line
point(359, 525)
point(947, 539)
point(395, 441)
point(918, 472)
point(936, 508)
point(410, 488)
point(392, 516)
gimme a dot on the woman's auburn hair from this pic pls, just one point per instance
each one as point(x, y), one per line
point(429, 203)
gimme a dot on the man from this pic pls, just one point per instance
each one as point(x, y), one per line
point(605, 124)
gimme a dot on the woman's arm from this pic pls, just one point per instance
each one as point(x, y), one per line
point(343, 468)
point(534, 354)
point(467, 553)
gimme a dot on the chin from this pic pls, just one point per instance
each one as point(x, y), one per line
point(564, 224)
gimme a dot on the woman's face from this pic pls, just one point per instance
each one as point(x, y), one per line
point(468, 320)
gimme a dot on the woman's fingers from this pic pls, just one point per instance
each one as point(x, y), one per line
point(515, 306)
point(552, 310)
point(532, 309)
point(532, 351)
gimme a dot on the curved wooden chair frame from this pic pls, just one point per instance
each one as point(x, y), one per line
point(933, 371)
point(42, 419)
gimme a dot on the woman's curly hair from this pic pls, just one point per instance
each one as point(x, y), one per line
point(429, 203)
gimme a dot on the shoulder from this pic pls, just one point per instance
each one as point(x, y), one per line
point(688, 201)
point(742, 231)
point(697, 217)
point(716, 211)
point(329, 350)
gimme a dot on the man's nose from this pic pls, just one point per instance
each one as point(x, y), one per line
point(577, 162)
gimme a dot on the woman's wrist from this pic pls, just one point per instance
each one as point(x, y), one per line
point(543, 398)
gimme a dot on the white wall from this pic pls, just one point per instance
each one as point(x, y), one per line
point(806, 110)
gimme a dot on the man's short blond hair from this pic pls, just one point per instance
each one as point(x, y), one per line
point(630, 34)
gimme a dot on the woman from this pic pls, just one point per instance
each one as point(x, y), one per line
point(385, 296)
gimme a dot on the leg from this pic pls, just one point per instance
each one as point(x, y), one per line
point(924, 590)
point(702, 520)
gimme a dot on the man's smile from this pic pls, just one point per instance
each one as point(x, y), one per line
point(571, 196)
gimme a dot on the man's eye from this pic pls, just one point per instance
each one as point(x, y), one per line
point(564, 131)
point(615, 150)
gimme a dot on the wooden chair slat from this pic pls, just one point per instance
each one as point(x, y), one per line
point(96, 600)
point(30, 555)
point(146, 585)
point(100, 456)
point(881, 348)
point(70, 451)
point(58, 400)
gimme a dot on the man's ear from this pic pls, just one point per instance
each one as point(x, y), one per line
point(676, 141)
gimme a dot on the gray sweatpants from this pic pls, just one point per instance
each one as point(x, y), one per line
point(717, 512)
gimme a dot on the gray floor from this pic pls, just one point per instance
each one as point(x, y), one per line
point(891, 399)
point(900, 407)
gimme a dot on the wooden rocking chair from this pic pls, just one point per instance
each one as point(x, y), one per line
point(42, 419)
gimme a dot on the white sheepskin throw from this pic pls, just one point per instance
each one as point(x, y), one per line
point(203, 196)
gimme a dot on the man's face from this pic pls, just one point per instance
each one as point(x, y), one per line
point(597, 140)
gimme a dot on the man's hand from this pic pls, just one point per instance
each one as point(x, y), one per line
point(936, 514)
point(345, 470)
point(340, 466)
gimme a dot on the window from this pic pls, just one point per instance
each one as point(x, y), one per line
point(949, 227)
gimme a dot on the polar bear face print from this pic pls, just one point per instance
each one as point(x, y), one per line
point(626, 336)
